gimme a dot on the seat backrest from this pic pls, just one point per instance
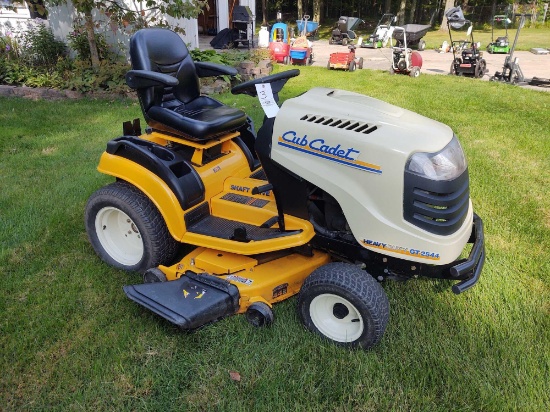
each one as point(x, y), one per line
point(162, 50)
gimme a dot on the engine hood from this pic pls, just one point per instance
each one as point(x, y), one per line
point(387, 125)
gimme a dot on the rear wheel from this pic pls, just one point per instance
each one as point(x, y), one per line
point(344, 42)
point(126, 230)
point(351, 67)
point(421, 45)
point(360, 64)
point(286, 60)
point(344, 304)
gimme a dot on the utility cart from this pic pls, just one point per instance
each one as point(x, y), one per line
point(414, 33)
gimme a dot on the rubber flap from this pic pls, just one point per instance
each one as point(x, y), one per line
point(188, 302)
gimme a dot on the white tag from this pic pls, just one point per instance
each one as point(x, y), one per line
point(265, 95)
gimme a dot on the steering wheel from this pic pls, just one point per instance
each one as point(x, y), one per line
point(277, 81)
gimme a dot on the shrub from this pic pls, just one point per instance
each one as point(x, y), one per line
point(39, 47)
point(78, 41)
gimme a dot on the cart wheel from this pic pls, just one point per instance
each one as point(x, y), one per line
point(415, 71)
point(344, 304)
point(344, 42)
point(310, 60)
point(126, 230)
point(330, 41)
point(360, 65)
point(328, 65)
point(286, 60)
point(351, 66)
point(421, 45)
point(480, 68)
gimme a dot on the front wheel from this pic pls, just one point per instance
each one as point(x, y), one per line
point(480, 69)
point(351, 66)
point(360, 64)
point(421, 45)
point(344, 304)
point(126, 230)
point(415, 71)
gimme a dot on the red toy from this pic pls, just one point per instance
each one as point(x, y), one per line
point(345, 61)
point(278, 43)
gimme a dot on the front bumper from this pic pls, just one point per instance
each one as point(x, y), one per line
point(468, 270)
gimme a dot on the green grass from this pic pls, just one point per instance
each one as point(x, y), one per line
point(71, 340)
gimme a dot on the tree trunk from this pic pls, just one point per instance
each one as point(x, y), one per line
point(448, 4)
point(387, 9)
point(89, 23)
point(264, 12)
point(412, 12)
point(300, 9)
point(317, 7)
point(401, 13)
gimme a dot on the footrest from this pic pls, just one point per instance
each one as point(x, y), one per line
point(229, 229)
point(189, 302)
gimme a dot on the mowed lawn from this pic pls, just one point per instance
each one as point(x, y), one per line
point(71, 340)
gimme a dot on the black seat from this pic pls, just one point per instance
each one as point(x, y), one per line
point(167, 83)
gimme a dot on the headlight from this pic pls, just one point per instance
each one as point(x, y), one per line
point(446, 164)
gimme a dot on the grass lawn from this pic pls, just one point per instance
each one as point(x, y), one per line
point(71, 340)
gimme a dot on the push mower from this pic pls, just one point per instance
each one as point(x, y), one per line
point(345, 61)
point(330, 196)
point(404, 60)
point(343, 33)
point(382, 33)
point(501, 44)
point(471, 61)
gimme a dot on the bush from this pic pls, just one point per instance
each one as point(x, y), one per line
point(78, 41)
point(39, 47)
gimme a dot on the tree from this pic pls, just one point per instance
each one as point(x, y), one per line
point(317, 7)
point(146, 13)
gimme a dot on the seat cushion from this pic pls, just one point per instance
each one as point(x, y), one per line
point(197, 121)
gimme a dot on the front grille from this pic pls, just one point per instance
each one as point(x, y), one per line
point(440, 207)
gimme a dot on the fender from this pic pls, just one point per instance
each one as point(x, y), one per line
point(151, 185)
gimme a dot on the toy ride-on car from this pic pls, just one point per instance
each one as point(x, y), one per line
point(345, 61)
point(329, 198)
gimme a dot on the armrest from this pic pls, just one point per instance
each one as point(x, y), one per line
point(140, 79)
point(209, 69)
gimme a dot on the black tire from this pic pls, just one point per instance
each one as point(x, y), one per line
point(351, 66)
point(415, 71)
point(126, 230)
point(480, 69)
point(344, 42)
point(344, 304)
point(421, 45)
point(286, 60)
point(360, 64)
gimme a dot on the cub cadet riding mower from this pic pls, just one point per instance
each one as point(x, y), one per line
point(331, 196)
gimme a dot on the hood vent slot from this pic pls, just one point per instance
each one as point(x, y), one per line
point(345, 124)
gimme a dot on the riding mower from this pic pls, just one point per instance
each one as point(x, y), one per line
point(471, 61)
point(330, 197)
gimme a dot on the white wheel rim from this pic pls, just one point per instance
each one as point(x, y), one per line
point(119, 236)
point(336, 318)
